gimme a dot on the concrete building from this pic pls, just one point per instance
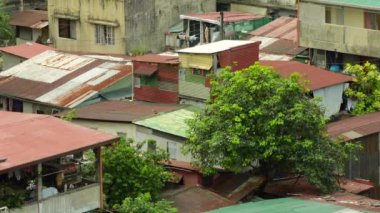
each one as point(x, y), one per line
point(42, 160)
point(340, 31)
point(117, 26)
point(13, 55)
point(31, 26)
point(54, 81)
point(156, 78)
point(196, 63)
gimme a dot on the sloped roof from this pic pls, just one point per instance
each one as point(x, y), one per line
point(173, 122)
point(215, 47)
point(157, 58)
point(27, 139)
point(214, 17)
point(355, 127)
point(364, 4)
point(30, 18)
point(27, 50)
point(318, 78)
point(61, 79)
point(122, 111)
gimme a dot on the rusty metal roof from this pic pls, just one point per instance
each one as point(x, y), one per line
point(281, 28)
point(214, 17)
point(28, 139)
point(36, 19)
point(157, 58)
point(318, 78)
point(27, 50)
point(61, 79)
point(122, 111)
point(355, 127)
point(146, 69)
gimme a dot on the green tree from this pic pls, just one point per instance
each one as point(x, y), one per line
point(365, 87)
point(128, 172)
point(260, 120)
point(144, 204)
point(6, 31)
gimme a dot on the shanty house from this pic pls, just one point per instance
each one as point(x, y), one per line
point(340, 31)
point(329, 86)
point(13, 55)
point(364, 129)
point(31, 26)
point(156, 78)
point(116, 117)
point(168, 129)
point(42, 164)
point(53, 81)
point(198, 62)
point(116, 26)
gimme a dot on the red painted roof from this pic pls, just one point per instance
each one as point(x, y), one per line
point(318, 78)
point(362, 125)
point(27, 139)
point(122, 111)
point(146, 69)
point(282, 28)
point(228, 16)
point(157, 58)
point(27, 50)
point(30, 18)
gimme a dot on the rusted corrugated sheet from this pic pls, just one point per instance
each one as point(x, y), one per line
point(61, 79)
point(240, 57)
point(30, 18)
point(214, 17)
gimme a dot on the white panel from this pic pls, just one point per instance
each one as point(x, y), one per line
point(54, 95)
point(331, 98)
point(103, 78)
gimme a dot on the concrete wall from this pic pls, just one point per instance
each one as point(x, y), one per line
point(76, 201)
point(315, 33)
point(10, 60)
point(87, 10)
point(109, 127)
point(284, 4)
point(147, 21)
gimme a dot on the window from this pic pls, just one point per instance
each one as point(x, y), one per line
point(105, 34)
point(67, 28)
point(199, 72)
point(172, 150)
point(137, 82)
point(334, 15)
point(372, 20)
point(24, 33)
point(152, 145)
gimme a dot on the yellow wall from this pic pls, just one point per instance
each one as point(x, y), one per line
point(105, 10)
point(353, 17)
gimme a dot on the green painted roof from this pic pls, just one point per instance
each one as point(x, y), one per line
point(173, 122)
point(288, 205)
point(365, 4)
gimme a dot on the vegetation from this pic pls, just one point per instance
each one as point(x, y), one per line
point(143, 203)
point(128, 172)
point(365, 88)
point(259, 120)
point(6, 32)
point(10, 197)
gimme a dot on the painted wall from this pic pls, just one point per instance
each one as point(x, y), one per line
point(10, 60)
point(332, 98)
point(87, 10)
point(109, 127)
point(286, 4)
point(315, 33)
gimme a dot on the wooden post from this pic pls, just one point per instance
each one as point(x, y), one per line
point(39, 187)
point(100, 175)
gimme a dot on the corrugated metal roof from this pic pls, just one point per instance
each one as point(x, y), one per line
point(214, 17)
point(61, 79)
point(27, 139)
point(173, 122)
point(36, 19)
point(355, 127)
point(122, 111)
point(318, 78)
point(364, 4)
point(27, 50)
point(279, 37)
point(146, 69)
point(215, 47)
point(289, 205)
point(157, 58)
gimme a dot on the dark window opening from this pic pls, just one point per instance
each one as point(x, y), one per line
point(66, 28)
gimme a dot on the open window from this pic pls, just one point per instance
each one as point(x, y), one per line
point(372, 20)
point(67, 28)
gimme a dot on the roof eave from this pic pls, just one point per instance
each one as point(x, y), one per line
point(326, 2)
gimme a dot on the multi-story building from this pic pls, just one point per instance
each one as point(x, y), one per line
point(117, 26)
point(340, 31)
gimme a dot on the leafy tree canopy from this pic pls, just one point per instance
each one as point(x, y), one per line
point(144, 204)
point(258, 119)
point(6, 31)
point(128, 171)
point(365, 88)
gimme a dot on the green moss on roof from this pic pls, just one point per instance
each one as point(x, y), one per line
point(367, 4)
point(288, 205)
point(173, 122)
